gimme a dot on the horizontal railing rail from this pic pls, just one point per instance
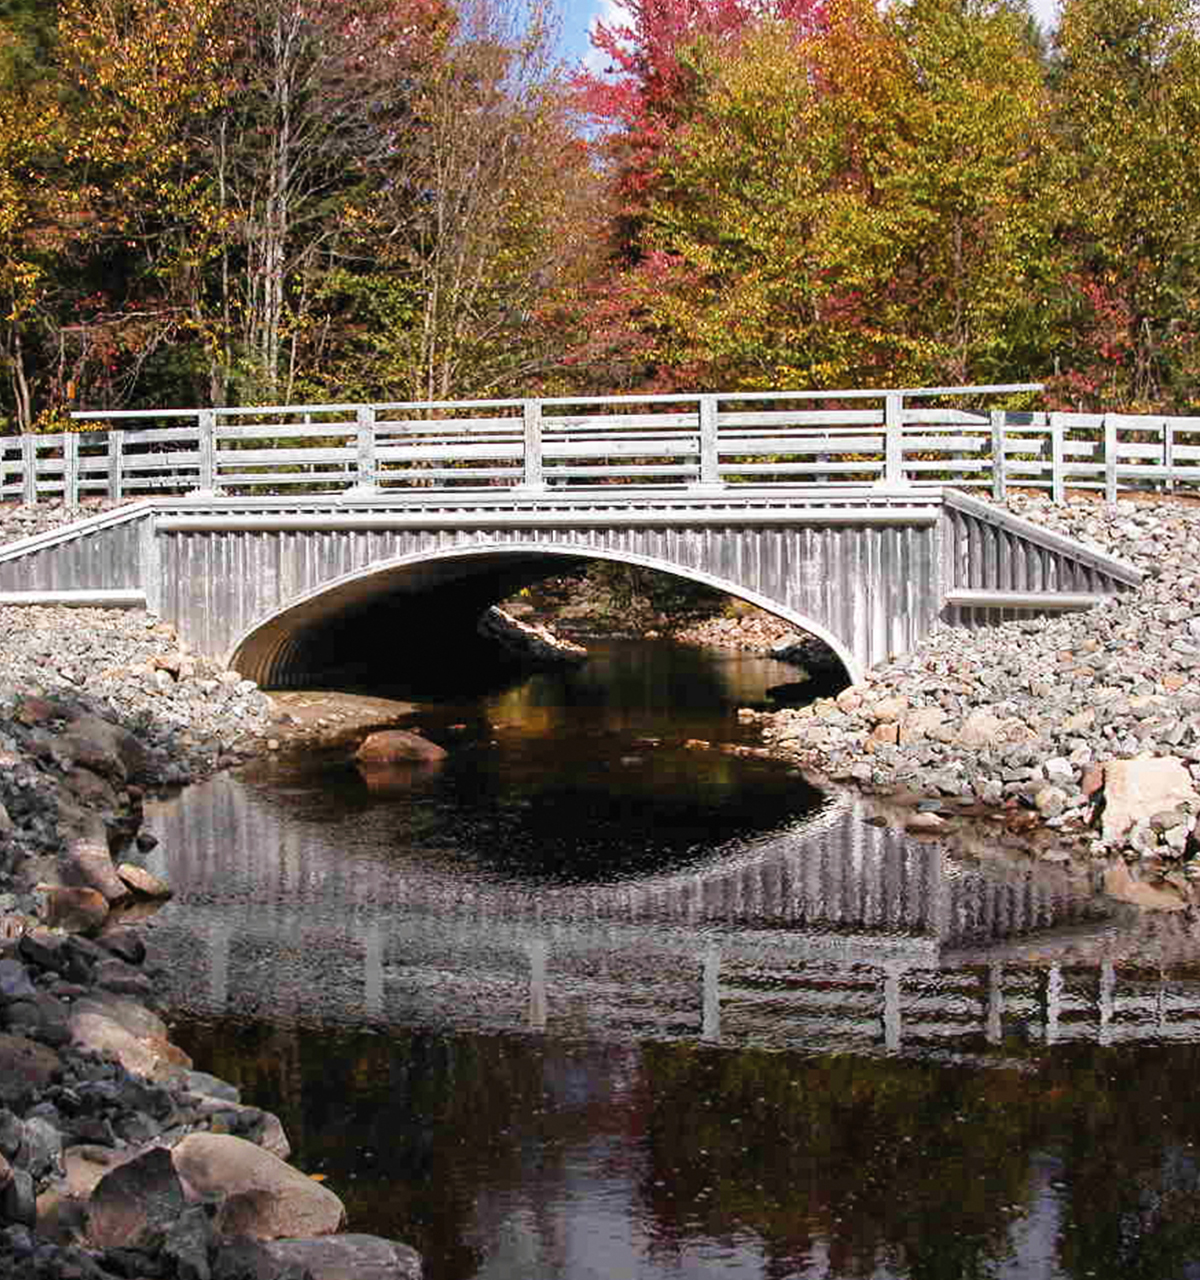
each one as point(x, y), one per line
point(699, 442)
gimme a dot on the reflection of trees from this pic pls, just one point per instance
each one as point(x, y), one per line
point(418, 1132)
point(922, 1167)
point(1131, 1137)
point(919, 1168)
point(883, 1161)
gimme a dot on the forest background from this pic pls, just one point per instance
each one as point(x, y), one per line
point(287, 201)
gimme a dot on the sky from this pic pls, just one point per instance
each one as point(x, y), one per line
point(578, 16)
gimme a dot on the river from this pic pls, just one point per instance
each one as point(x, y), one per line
point(610, 995)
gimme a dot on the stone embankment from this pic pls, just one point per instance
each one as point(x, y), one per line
point(117, 1159)
point(1086, 725)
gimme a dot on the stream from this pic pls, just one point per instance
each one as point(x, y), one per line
point(609, 994)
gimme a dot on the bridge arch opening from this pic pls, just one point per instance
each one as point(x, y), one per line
point(417, 612)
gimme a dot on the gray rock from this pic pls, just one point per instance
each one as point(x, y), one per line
point(344, 1257)
point(136, 1202)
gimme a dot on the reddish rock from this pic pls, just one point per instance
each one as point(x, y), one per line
point(73, 909)
point(885, 734)
point(107, 741)
point(396, 746)
point(257, 1194)
point(87, 861)
point(143, 882)
point(150, 1056)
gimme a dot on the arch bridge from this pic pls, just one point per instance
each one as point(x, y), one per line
point(287, 589)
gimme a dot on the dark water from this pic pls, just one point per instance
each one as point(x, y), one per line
point(594, 999)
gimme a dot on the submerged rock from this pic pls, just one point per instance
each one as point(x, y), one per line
point(397, 746)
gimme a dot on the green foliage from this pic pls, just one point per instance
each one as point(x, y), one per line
point(856, 207)
point(1128, 96)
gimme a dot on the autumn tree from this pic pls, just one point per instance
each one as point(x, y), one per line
point(34, 209)
point(1128, 93)
point(486, 220)
point(850, 203)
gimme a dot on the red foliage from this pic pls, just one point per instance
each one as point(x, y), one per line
point(639, 95)
point(645, 75)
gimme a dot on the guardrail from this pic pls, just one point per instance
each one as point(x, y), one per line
point(695, 441)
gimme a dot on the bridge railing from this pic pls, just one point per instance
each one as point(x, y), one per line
point(688, 441)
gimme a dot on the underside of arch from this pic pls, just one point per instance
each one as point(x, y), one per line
point(423, 608)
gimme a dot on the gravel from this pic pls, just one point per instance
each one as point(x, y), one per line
point(1022, 713)
point(127, 665)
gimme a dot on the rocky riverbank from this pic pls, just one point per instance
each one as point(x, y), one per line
point(117, 1160)
point(1085, 725)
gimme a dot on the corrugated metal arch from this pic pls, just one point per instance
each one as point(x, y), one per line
point(269, 647)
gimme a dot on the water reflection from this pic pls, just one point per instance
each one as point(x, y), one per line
point(826, 935)
point(801, 1046)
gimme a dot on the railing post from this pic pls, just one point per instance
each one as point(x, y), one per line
point(29, 462)
point(999, 479)
point(207, 422)
point(1058, 481)
point(533, 478)
point(70, 469)
point(1168, 426)
point(367, 480)
point(1110, 458)
point(116, 487)
point(710, 473)
point(893, 425)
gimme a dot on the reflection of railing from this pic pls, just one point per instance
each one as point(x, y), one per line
point(701, 440)
point(836, 883)
point(743, 988)
point(831, 936)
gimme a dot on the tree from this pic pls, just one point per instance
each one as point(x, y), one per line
point(1128, 94)
point(485, 224)
point(855, 204)
point(30, 139)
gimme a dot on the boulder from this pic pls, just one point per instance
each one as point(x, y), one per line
point(85, 1165)
point(1120, 884)
point(257, 1194)
point(888, 709)
point(346, 1257)
point(917, 725)
point(395, 746)
point(73, 909)
point(136, 1202)
point(1139, 788)
point(105, 748)
point(150, 1056)
point(143, 882)
point(86, 860)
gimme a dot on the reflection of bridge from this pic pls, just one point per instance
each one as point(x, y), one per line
point(823, 515)
point(832, 937)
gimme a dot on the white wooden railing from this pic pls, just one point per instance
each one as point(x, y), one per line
point(696, 441)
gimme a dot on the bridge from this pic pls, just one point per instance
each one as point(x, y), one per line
point(404, 522)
